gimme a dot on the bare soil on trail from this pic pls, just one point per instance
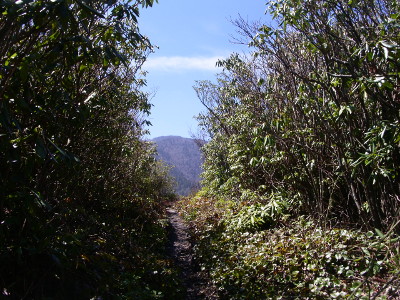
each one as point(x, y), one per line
point(180, 250)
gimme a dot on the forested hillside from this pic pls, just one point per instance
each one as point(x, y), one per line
point(80, 192)
point(301, 196)
point(184, 157)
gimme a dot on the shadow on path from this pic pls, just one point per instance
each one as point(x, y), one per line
point(180, 249)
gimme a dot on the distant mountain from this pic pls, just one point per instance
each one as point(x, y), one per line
point(184, 155)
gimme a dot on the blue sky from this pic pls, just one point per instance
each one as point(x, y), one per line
point(191, 36)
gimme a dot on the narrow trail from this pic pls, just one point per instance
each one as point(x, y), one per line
point(180, 249)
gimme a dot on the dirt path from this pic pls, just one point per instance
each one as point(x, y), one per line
point(180, 249)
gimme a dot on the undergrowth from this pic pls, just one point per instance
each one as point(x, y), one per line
point(257, 251)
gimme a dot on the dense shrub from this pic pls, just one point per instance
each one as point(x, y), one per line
point(295, 260)
point(313, 111)
point(80, 191)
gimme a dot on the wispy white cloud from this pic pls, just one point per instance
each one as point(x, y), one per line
point(182, 63)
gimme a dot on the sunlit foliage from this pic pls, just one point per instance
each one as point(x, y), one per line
point(313, 113)
point(301, 172)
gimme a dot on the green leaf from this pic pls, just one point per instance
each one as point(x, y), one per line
point(380, 233)
point(58, 148)
point(82, 3)
point(366, 251)
point(386, 52)
point(40, 148)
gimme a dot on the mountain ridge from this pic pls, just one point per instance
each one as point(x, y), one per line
point(184, 156)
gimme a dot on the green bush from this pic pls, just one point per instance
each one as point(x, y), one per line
point(257, 216)
point(313, 110)
point(296, 259)
point(80, 191)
